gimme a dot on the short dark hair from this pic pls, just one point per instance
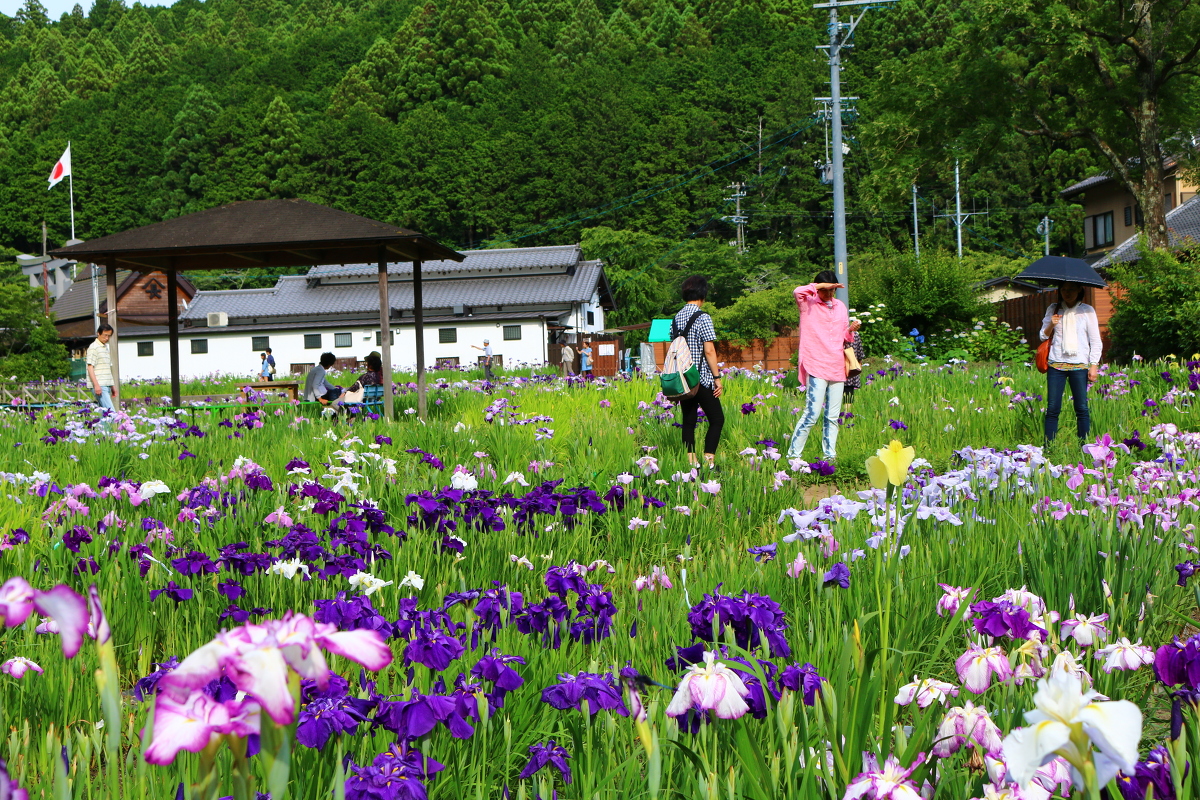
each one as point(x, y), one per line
point(327, 360)
point(268, 349)
point(104, 326)
point(374, 363)
point(826, 276)
point(694, 288)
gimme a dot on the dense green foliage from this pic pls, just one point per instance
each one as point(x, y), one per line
point(490, 124)
point(29, 344)
point(1155, 312)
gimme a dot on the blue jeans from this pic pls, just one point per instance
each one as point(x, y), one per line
point(105, 398)
point(820, 394)
point(1056, 381)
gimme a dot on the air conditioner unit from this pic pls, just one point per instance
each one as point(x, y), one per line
point(218, 319)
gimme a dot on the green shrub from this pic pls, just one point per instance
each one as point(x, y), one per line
point(935, 293)
point(757, 315)
point(1156, 309)
point(880, 336)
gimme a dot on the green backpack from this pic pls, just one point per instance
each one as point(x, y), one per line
point(680, 377)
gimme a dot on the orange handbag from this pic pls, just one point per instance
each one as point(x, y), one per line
point(1043, 357)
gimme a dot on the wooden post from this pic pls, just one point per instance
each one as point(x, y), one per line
point(173, 332)
point(385, 336)
point(419, 328)
point(114, 342)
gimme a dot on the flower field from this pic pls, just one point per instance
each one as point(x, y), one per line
point(530, 595)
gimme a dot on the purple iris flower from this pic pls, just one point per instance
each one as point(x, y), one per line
point(328, 712)
point(757, 698)
point(823, 468)
point(548, 754)
point(1186, 570)
point(185, 454)
point(416, 717)
point(767, 443)
point(381, 439)
point(753, 618)
point(171, 590)
point(194, 563)
point(297, 463)
point(1178, 663)
point(433, 648)
point(399, 773)
point(1154, 771)
point(78, 535)
point(231, 589)
point(802, 678)
point(897, 425)
point(495, 667)
point(763, 553)
point(600, 691)
point(686, 656)
point(561, 580)
point(748, 408)
point(1004, 619)
point(147, 686)
point(839, 573)
point(351, 613)
point(1135, 441)
point(86, 565)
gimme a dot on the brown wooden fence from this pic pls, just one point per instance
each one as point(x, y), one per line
point(774, 356)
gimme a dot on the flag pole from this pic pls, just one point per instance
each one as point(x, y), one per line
point(71, 188)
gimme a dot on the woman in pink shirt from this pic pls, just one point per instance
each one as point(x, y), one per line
point(825, 331)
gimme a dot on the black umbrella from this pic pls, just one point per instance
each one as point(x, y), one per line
point(1058, 269)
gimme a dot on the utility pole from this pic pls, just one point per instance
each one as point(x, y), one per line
point(1044, 229)
point(739, 191)
point(959, 218)
point(841, 36)
point(916, 229)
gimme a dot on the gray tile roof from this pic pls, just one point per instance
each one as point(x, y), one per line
point(1085, 184)
point(555, 257)
point(297, 296)
point(132, 332)
point(1183, 227)
point(76, 302)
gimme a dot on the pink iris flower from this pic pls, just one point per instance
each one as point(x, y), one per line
point(891, 782)
point(976, 667)
point(280, 517)
point(256, 658)
point(62, 604)
point(18, 666)
point(965, 727)
point(1123, 655)
point(190, 724)
point(954, 597)
point(710, 687)
point(1087, 631)
point(799, 566)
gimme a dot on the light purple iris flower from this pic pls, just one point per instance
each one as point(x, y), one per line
point(977, 666)
point(890, 782)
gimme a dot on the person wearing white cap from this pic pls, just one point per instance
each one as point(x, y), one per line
point(487, 359)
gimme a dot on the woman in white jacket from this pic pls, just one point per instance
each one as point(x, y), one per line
point(1075, 348)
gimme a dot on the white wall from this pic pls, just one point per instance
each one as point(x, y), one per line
point(232, 354)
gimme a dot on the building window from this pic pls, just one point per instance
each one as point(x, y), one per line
point(312, 341)
point(1128, 216)
point(1168, 201)
point(591, 318)
point(260, 343)
point(512, 332)
point(447, 335)
point(343, 340)
point(145, 348)
point(199, 346)
point(379, 338)
point(1102, 231)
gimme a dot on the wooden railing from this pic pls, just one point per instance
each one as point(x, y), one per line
point(44, 392)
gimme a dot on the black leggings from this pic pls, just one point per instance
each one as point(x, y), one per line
point(712, 410)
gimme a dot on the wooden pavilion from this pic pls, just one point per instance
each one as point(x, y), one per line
point(265, 234)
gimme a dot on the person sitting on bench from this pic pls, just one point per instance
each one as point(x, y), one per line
point(317, 388)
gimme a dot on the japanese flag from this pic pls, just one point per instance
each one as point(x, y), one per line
point(62, 169)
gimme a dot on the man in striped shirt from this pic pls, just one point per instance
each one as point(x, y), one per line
point(99, 369)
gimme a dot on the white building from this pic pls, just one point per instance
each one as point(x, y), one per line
point(519, 298)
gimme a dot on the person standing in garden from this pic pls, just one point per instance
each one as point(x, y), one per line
point(567, 357)
point(99, 369)
point(264, 370)
point(700, 338)
point(825, 331)
point(1075, 349)
point(585, 358)
point(487, 359)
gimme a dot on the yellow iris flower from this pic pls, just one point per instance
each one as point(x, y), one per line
point(890, 465)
